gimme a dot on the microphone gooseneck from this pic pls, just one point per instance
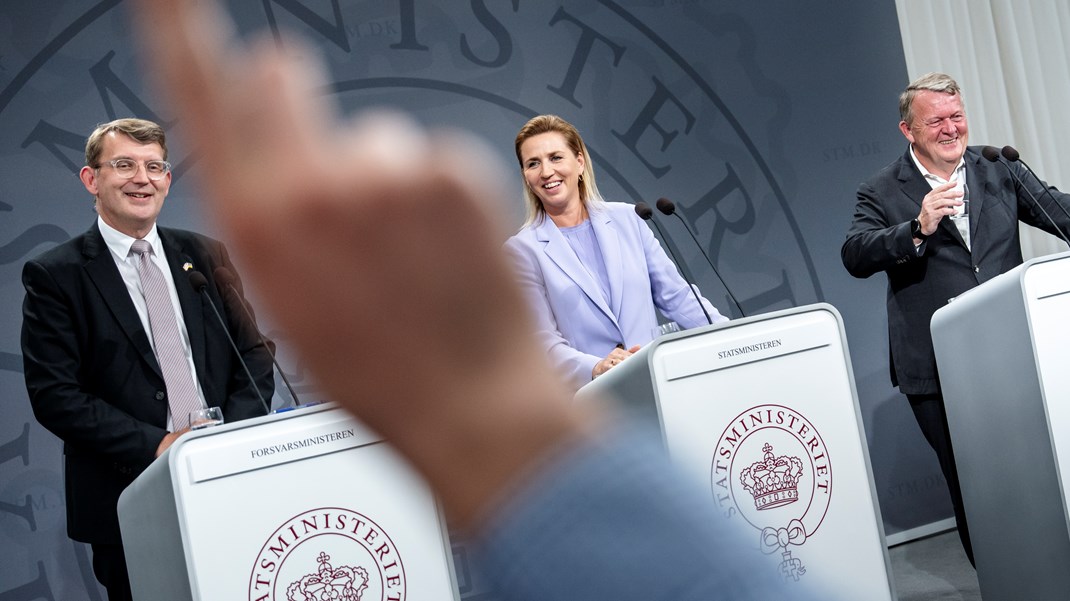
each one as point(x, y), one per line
point(669, 208)
point(226, 279)
point(643, 210)
point(1012, 155)
point(993, 155)
point(200, 284)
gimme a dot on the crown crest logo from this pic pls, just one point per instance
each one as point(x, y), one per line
point(773, 481)
point(344, 583)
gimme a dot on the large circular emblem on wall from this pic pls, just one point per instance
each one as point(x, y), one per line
point(668, 96)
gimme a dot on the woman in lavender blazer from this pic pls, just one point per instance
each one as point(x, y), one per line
point(592, 270)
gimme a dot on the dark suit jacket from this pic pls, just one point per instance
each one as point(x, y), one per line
point(879, 240)
point(94, 381)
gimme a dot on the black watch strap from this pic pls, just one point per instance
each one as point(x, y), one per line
point(915, 230)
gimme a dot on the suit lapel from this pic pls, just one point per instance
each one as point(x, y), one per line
point(181, 264)
point(101, 269)
point(978, 193)
point(915, 187)
point(559, 251)
point(609, 244)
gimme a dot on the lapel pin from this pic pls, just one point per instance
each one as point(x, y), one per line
point(187, 266)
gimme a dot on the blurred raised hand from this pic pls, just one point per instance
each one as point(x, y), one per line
point(376, 247)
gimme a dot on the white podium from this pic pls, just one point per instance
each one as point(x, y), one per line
point(764, 411)
point(1003, 350)
point(284, 507)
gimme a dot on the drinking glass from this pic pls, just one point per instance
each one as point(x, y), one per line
point(963, 211)
point(205, 417)
point(665, 328)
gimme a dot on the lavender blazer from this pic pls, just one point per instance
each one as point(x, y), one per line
point(574, 322)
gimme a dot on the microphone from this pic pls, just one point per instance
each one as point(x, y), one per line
point(668, 207)
point(1012, 155)
point(993, 154)
point(226, 279)
point(645, 213)
point(200, 284)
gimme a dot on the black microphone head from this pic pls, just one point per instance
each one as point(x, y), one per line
point(223, 276)
point(1010, 153)
point(991, 153)
point(666, 206)
point(643, 210)
point(198, 281)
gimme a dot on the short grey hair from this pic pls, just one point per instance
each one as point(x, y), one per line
point(933, 82)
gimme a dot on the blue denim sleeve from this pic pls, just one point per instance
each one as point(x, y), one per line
point(614, 519)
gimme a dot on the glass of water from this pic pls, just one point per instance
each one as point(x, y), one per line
point(666, 328)
point(205, 417)
point(963, 211)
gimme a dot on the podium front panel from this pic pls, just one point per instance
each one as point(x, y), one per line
point(763, 411)
point(293, 507)
point(1046, 287)
point(1002, 350)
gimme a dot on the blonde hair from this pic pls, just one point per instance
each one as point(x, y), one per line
point(543, 124)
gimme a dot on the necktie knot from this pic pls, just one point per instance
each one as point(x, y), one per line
point(141, 247)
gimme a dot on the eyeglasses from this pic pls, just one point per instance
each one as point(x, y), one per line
point(156, 170)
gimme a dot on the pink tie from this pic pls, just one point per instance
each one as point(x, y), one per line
point(182, 395)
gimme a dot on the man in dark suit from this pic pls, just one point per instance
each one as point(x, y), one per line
point(96, 363)
point(938, 221)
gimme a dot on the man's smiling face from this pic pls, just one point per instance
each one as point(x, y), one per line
point(130, 205)
point(938, 130)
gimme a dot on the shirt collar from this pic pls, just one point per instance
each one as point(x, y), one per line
point(119, 243)
point(958, 174)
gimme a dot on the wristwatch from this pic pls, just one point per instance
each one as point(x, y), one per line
point(915, 230)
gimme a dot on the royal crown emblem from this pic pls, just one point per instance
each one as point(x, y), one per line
point(344, 583)
point(773, 481)
point(796, 485)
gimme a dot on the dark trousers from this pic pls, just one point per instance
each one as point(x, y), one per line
point(109, 566)
point(929, 412)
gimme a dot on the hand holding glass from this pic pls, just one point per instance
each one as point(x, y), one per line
point(963, 210)
point(205, 417)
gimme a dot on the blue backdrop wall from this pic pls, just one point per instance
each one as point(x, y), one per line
point(758, 119)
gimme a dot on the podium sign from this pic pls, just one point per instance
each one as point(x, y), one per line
point(763, 411)
point(302, 505)
point(1003, 349)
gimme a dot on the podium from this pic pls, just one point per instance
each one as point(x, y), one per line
point(763, 411)
point(284, 507)
point(1003, 351)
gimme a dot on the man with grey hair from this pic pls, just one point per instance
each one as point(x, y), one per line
point(938, 221)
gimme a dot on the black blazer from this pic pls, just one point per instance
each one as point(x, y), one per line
point(879, 239)
point(94, 381)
